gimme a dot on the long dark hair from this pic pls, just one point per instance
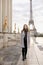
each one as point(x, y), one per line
point(27, 29)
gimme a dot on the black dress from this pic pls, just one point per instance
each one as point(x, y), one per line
point(25, 43)
point(24, 50)
point(25, 40)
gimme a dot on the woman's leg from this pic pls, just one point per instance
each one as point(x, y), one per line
point(26, 51)
point(23, 51)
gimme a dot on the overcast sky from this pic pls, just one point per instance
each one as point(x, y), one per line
point(21, 13)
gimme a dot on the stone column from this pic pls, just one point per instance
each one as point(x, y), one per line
point(7, 11)
point(9, 14)
point(5, 22)
point(4, 14)
point(0, 15)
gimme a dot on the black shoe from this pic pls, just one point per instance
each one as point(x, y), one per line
point(23, 59)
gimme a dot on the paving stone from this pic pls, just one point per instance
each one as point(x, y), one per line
point(10, 55)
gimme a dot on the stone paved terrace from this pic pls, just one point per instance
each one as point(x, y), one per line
point(34, 56)
point(12, 55)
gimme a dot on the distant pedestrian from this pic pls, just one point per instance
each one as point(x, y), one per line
point(25, 40)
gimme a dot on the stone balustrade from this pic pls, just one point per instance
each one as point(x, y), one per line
point(8, 39)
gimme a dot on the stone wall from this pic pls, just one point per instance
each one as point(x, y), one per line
point(1, 40)
point(7, 39)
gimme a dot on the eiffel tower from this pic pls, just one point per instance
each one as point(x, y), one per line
point(31, 21)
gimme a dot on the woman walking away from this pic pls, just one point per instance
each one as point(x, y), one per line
point(25, 40)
